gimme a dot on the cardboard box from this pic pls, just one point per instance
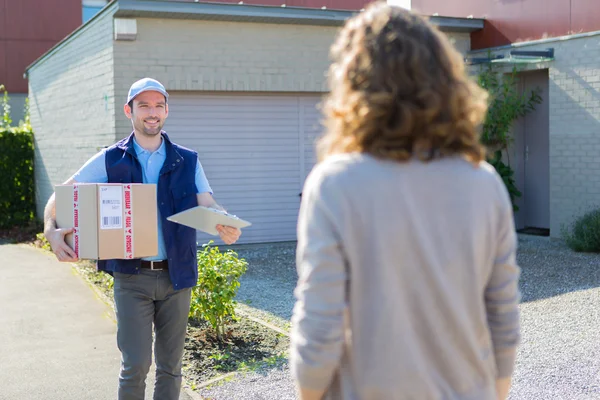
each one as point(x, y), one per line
point(111, 220)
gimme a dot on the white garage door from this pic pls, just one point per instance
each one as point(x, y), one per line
point(312, 128)
point(256, 152)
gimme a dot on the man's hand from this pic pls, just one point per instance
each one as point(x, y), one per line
point(228, 234)
point(62, 251)
point(311, 394)
point(56, 237)
point(503, 388)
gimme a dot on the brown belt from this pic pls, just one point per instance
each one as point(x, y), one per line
point(155, 265)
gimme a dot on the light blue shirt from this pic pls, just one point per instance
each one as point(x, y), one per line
point(94, 171)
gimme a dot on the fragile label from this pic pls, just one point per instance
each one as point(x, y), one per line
point(76, 219)
point(128, 231)
point(111, 207)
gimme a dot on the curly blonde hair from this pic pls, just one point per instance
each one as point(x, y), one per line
point(399, 90)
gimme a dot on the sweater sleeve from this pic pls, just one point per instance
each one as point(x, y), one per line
point(317, 333)
point(502, 294)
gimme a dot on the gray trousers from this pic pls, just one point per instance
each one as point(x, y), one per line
point(141, 301)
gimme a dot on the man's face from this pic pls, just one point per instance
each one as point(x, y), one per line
point(149, 112)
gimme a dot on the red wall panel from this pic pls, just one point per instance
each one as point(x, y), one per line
point(42, 20)
point(585, 16)
point(507, 21)
point(3, 74)
point(28, 28)
point(331, 4)
point(2, 19)
point(18, 57)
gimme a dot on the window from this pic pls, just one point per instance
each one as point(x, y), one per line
point(91, 8)
point(89, 12)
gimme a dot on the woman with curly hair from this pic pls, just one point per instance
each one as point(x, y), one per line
point(406, 254)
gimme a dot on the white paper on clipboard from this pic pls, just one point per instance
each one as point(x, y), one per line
point(206, 219)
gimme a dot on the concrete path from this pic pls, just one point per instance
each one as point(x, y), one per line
point(57, 338)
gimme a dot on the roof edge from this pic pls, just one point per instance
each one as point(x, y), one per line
point(232, 12)
point(456, 24)
point(267, 14)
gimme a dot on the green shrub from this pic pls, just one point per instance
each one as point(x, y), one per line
point(17, 192)
point(584, 233)
point(506, 106)
point(218, 281)
point(42, 242)
point(507, 175)
point(6, 119)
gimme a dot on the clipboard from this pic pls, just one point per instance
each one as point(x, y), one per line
point(206, 219)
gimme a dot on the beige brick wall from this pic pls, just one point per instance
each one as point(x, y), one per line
point(223, 56)
point(227, 56)
point(72, 105)
point(574, 85)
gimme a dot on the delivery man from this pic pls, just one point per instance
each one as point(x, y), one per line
point(155, 289)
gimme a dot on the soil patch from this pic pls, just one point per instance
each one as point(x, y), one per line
point(247, 346)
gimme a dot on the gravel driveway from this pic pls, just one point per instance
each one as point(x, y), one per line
point(559, 356)
point(269, 283)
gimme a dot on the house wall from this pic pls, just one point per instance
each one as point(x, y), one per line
point(222, 56)
point(330, 4)
point(512, 21)
point(227, 57)
point(574, 128)
point(72, 104)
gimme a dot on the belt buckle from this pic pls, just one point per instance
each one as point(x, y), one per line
point(152, 266)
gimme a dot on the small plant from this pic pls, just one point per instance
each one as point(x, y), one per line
point(584, 233)
point(275, 360)
point(505, 107)
point(220, 357)
point(220, 360)
point(507, 175)
point(6, 119)
point(218, 281)
point(25, 123)
point(42, 242)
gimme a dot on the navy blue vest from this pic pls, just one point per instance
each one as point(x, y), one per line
point(176, 191)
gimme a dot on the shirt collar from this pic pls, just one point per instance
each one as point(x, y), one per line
point(140, 150)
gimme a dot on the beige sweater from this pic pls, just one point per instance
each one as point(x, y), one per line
point(407, 281)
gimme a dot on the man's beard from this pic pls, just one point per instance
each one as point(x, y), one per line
point(149, 131)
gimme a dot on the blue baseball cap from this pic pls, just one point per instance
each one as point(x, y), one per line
point(146, 85)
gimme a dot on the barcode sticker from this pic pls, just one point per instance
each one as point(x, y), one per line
point(111, 221)
point(111, 207)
